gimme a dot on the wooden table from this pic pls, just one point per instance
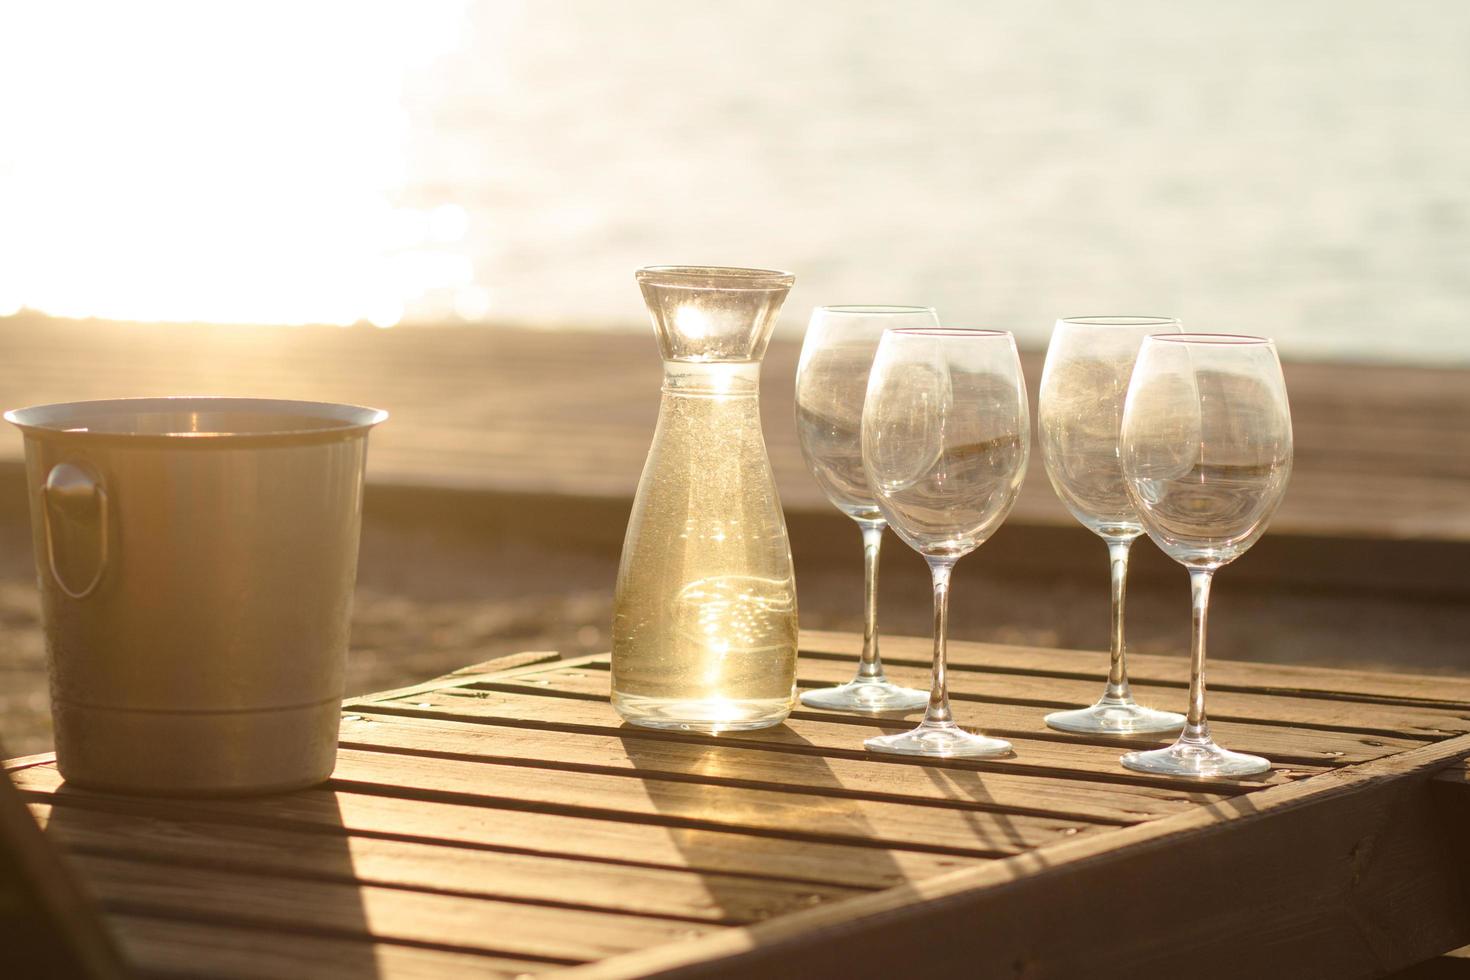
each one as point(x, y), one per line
point(501, 821)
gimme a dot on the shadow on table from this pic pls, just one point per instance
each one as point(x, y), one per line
point(784, 826)
point(996, 830)
point(220, 886)
point(49, 925)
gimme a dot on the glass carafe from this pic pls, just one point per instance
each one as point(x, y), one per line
point(704, 620)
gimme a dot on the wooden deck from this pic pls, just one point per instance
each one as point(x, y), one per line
point(1381, 452)
point(502, 822)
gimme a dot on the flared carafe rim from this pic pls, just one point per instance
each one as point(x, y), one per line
point(715, 277)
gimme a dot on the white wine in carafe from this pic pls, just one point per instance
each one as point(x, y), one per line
point(704, 625)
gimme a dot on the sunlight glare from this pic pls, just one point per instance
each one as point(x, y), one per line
point(692, 322)
point(386, 315)
point(472, 303)
point(248, 176)
point(448, 223)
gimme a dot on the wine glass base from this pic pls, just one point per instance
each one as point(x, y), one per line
point(1109, 717)
point(1185, 758)
point(866, 695)
point(946, 742)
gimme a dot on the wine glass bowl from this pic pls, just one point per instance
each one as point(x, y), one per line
point(1206, 454)
point(831, 382)
point(1208, 481)
point(1079, 417)
point(945, 439)
point(1080, 411)
point(948, 464)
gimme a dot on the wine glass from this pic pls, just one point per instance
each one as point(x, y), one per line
point(946, 433)
point(1206, 457)
point(1080, 412)
point(831, 380)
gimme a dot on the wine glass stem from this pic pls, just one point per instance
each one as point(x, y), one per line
point(1118, 668)
point(1196, 725)
point(870, 668)
point(938, 713)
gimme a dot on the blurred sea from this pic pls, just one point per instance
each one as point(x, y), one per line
point(1296, 169)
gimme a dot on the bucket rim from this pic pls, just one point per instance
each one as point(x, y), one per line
point(60, 420)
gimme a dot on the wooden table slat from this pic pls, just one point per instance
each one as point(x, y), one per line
point(1297, 746)
point(1050, 693)
point(739, 764)
point(442, 868)
point(455, 923)
point(168, 947)
point(825, 735)
point(703, 852)
point(1304, 682)
point(764, 813)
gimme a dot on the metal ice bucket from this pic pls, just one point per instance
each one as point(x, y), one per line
point(196, 559)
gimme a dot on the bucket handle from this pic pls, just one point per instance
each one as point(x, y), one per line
point(68, 487)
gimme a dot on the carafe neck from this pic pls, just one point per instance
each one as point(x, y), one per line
point(713, 379)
